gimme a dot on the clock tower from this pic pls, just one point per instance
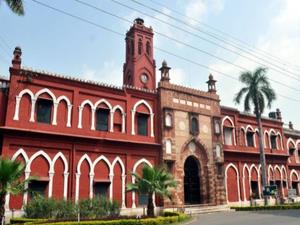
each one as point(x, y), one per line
point(139, 68)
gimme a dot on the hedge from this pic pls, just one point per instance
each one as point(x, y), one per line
point(273, 207)
point(161, 220)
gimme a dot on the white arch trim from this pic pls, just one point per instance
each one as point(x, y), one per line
point(139, 162)
point(140, 102)
point(14, 157)
point(78, 173)
point(293, 171)
point(80, 108)
point(18, 99)
point(233, 130)
point(103, 101)
point(119, 160)
point(245, 167)
point(237, 179)
point(117, 107)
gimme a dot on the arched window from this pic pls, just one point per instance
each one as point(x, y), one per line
point(168, 146)
point(132, 47)
point(250, 138)
point(148, 48)
point(102, 115)
point(168, 120)
point(194, 126)
point(44, 110)
point(140, 47)
point(273, 140)
point(142, 124)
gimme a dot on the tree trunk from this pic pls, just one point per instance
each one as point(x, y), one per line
point(150, 206)
point(262, 156)
point(2, 207)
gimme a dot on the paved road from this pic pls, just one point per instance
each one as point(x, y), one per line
point(277, 217)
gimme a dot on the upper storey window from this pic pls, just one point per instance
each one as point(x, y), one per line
point(140, 47)
point(148, 48)
point(194, 125)
point(44, 108)
point(168, 120)
point(142, 123)
point(250, 139)
point(227, 132)
point(273, 140)
point(102, 116)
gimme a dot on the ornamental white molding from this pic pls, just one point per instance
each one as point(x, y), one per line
point(139, 162)
point(34, 97)
point(237, 180)
point(133, 112)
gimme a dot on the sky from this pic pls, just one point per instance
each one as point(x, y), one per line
point(235, 36)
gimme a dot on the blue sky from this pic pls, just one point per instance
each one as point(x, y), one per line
point(54, 42)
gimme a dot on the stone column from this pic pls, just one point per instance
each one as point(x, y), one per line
point(17, 108)
point(93, 119)
point(111, 129)
point(123, 122)
point(66, 176)
point(111, 179)
point(91, 185)
point(80, 108)
point(33, 101)
point(54, 119)
point(50, 189)
point(132, 122)
point(69, 115)
point(152, 124)
point(77, 187)
point(123, 191)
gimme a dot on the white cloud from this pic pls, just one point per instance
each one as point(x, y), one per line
point(196, 10)
point(110, 73)
point(282, 40)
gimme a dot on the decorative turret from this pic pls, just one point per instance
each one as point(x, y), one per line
point(165, 71)
point(278, 114)
point(16, 61)
point(291, 126)
point(211, 84)
point(139, 67)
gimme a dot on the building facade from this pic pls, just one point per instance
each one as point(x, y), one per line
point(82, 138)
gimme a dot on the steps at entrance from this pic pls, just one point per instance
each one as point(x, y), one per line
point(203, 209)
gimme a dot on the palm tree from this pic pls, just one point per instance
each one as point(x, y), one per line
point(153, 181)
point(16, 6)
point(10, 181)
point(258, 92)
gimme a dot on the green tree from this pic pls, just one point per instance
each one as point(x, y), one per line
point(152, 181)
point(16, 6)
point(10, 181)
point(258, 93)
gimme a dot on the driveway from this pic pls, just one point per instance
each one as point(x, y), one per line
point(276, 217)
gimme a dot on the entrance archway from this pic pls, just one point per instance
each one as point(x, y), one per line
point(191, 181)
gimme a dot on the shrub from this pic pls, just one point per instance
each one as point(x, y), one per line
point(96, 208)
point(40, 207)
point(269, 207)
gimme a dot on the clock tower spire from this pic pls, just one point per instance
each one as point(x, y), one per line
point(139, 67)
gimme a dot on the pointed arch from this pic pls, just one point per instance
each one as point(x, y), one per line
point(231, 165)
point(65, 161)
point(34, 156)
point(65, 98)
point(246, 167)
point(142, 102)
point(103, 101)
point(45, 90)
point(118, 160)
point(229, 119)
point(102, 157)
point(80, 108)
point(293, 171)
point(233, 138)
point(89, 161)
point(22, 153)
point(18, 100)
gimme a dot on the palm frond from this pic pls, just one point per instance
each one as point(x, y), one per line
point(16, 6)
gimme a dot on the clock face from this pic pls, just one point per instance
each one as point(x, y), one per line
point(144, 78)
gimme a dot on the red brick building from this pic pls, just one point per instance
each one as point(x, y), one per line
point(83, 138)
point(241, 154)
